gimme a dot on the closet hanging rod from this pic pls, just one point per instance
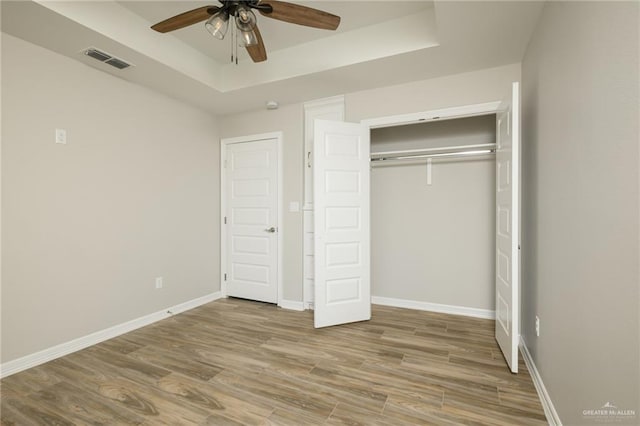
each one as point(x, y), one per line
point(436, 155)
point(445, 149)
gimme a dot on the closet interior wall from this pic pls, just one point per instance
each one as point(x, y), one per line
point(434, 243)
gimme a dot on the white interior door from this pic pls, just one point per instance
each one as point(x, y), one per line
point(251, 192)
point(508, 228)
point(341, 223)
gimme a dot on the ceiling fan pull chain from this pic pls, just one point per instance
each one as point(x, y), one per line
point(235, 41)
point(234, 51)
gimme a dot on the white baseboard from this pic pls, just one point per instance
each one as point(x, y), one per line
point(291, 304)
point(434, 307)
point(46, 355)
point(549, 410)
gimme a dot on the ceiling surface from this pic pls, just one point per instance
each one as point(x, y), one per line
point(378, 43)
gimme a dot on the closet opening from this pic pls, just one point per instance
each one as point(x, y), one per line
point(444, 190)
point(433, 215)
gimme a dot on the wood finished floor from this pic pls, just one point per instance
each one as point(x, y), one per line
point(235, 362)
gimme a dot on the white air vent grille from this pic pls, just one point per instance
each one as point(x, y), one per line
point(106, 58)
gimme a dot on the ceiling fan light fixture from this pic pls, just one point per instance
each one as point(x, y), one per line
point(218, 24)
point(245, 19)
point(248, 38)
point(246, 23)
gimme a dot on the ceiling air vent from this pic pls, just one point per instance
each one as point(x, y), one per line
point(117, 63)
point(106, 58)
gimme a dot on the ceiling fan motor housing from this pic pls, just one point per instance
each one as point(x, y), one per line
point(232, 6)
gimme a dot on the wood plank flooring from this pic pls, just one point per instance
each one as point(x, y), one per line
point(236, 362)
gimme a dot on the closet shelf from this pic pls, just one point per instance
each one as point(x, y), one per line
point(446, 152)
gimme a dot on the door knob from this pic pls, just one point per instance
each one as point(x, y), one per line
point(272, 229)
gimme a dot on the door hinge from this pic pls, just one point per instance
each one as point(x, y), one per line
point(225, 277)
point(225, 220)
point(225, 164)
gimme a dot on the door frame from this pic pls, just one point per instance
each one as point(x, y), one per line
point(224, 142)
point(433, 115)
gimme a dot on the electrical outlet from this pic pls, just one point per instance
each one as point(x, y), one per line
point(537, 326)
point(158, 282)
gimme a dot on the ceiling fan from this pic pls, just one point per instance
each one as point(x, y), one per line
point(245, 21)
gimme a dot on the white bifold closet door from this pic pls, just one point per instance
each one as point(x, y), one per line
point(341, 223)
point(508, 228)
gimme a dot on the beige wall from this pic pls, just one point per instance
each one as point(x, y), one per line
point(580, 205)
point(470, 88)
point(456, 90)
point(434, 243)
point(88, 226)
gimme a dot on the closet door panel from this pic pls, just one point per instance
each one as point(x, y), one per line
point(507, 228)
point(341, 231)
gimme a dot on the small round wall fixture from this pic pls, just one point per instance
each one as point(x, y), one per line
point(272, 104)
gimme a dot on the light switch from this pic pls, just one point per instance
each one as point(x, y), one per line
point(294, 206)
point(61, 136)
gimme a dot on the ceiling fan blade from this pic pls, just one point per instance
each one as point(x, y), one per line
point(257, 52)
point(301, 15)
point(185, 19)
